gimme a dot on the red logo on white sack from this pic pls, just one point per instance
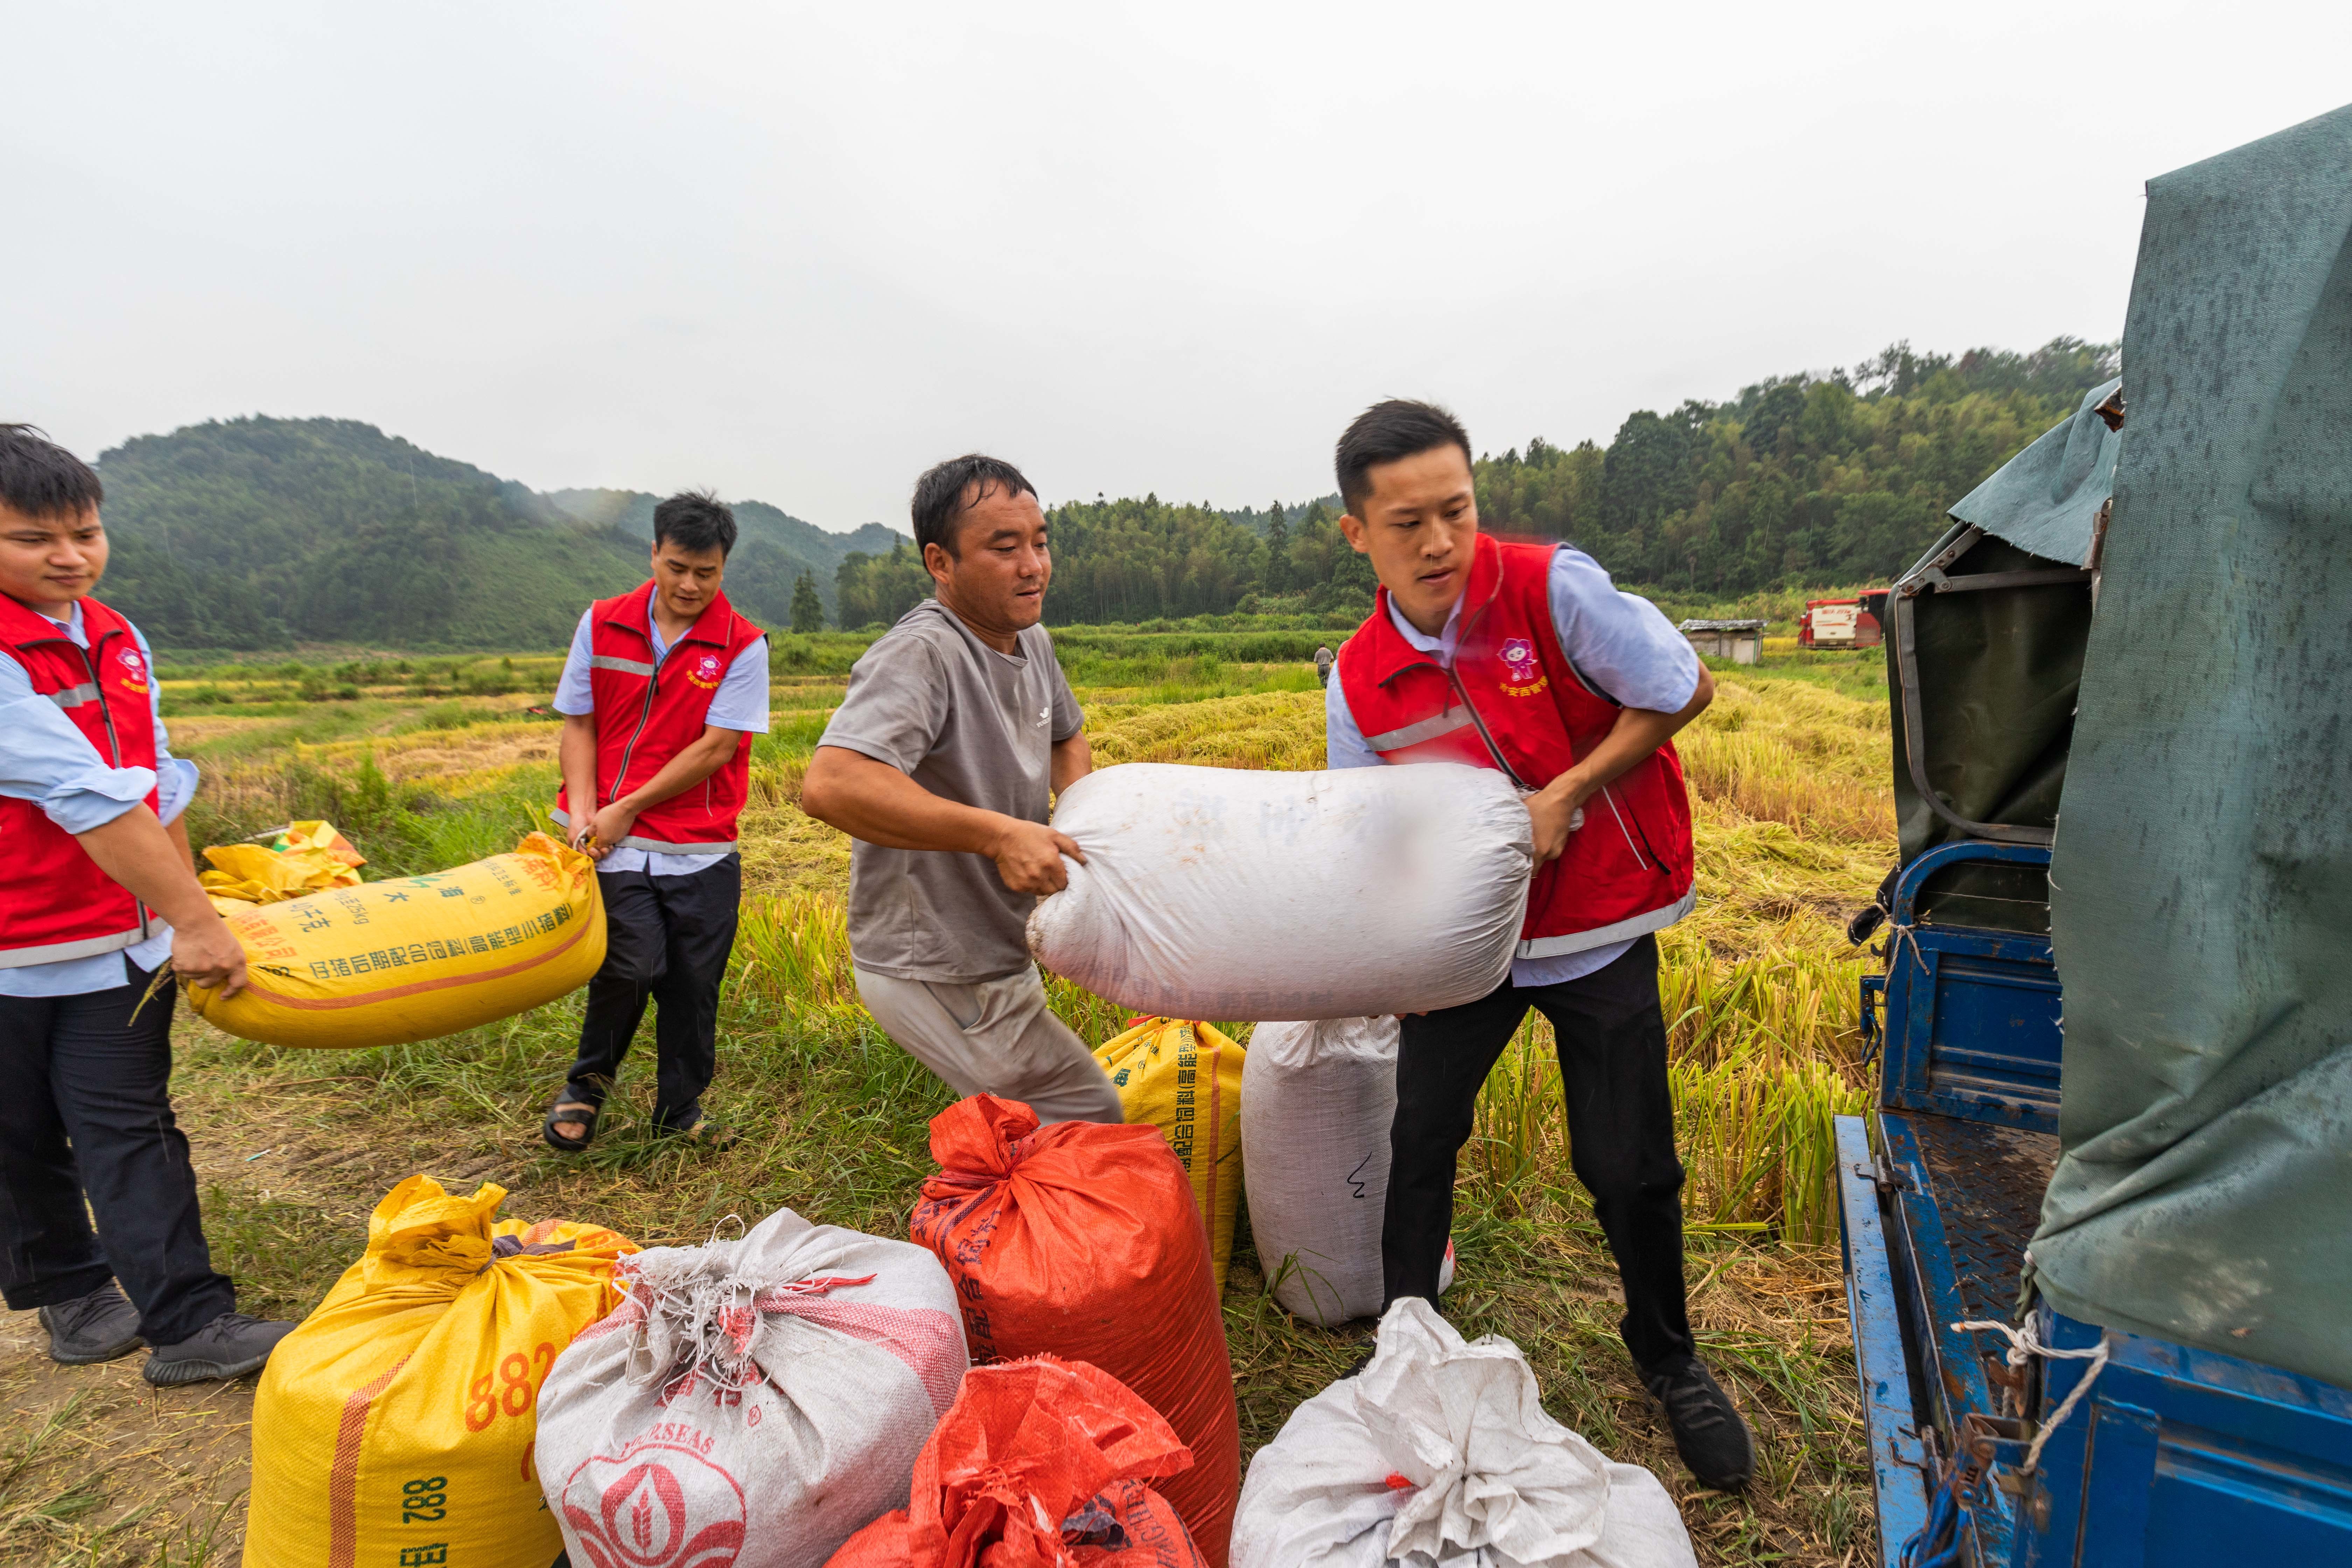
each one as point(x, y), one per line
point(653, 1506)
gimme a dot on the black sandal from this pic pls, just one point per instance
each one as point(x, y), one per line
point(557, 1112)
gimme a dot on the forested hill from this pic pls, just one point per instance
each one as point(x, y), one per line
point(1801, 479)
point(256, 533)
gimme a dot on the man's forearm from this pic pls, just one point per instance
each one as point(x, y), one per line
point(1637, 732)
point(140, 855)
point(874, 801)
point(576, 755)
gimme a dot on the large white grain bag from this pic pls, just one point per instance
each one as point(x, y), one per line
point(753, 1402)
point(1317, 1101)
point(1439, 1455)
point(1222, 893)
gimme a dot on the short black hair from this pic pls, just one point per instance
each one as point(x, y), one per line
point(939, 499)
point(41, 479)
point(696, 521)
point(1388, 431)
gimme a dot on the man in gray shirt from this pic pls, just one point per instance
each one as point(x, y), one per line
point(956, 725)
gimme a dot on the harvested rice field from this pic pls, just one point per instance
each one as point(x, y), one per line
point(429, 762)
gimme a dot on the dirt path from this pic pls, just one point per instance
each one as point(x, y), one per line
point(98, 1467)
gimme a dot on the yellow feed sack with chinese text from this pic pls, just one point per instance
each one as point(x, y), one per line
point(386, 963)
point(1185, 1078)
point(393, 1429)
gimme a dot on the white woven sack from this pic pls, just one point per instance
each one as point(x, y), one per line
point(1221, 893)
point(1438, 1455)
point(1317, 1101)
point(752, 1403)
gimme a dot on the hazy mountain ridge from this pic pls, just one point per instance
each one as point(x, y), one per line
point(258, 532)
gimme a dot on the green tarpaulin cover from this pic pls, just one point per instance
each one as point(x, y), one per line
point(2201, 889)
point(1999, 671)
point(2045, 499)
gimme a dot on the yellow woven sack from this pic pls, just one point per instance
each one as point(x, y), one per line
point(386, 963)
point(1185, 1078)
point(395, 1426)
point(300, 857)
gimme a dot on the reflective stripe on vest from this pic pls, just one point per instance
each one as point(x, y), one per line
point(1602, 936)
point(1445, 723)
point(75, 696)
point(626, 666)
point(86, 947)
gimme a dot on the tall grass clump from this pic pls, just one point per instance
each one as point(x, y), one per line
point(1762, 1053)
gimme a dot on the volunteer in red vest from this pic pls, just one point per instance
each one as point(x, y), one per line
point(97, 890)
point(1524, 657)
point(664, 689)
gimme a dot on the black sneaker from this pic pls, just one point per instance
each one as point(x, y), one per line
point(94, 1328)
point(229, 1346)
point(1709, 1433)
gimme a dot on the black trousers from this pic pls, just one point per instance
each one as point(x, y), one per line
point(86, 1112)
point(1621, 1127)
point(665, 940)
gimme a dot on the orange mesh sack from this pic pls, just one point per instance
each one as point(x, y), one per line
point(1080, 1240)
point(397, 1422)
point(1039, 1464)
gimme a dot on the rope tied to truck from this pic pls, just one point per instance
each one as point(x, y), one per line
point(2025, 1344)
point(1938, 1543)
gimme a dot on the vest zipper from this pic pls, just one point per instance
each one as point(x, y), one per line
point(1493, 750)
point(114, 741)
point(643, 714)
point(1454, 680)
point(1620, 815)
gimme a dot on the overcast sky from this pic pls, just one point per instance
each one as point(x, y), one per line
point(799, 252)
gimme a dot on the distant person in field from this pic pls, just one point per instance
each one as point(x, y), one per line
point(1524, 657)
point(662, 692)
point(97, 890)
point(957, 729)
point(1324, 659)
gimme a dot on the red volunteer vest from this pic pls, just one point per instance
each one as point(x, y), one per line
point(1513, 701)
point(647, 712)
point(54, 903)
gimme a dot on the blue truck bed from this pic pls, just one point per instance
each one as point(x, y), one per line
point(2176, 1456)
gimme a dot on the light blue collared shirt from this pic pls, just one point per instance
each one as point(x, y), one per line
point(44, 759)
point(1621, 643)
point(740, 703)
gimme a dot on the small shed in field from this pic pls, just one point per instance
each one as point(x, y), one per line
point(1741, 642)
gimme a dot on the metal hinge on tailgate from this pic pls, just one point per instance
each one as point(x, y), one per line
point(1885, 1176)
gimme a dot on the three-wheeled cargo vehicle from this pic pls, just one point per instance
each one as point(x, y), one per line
point(2098, 1233)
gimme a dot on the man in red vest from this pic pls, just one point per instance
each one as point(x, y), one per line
point(97, 890)
point(662, 693)
point(1524, 657)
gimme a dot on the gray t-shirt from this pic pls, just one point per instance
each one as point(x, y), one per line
point(972, 725)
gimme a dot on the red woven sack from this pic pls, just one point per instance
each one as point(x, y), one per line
point(1081, 1241)
point(1038, 1464)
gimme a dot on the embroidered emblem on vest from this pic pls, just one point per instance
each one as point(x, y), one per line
point(1523, 676)
point(704, 672)
point(134, 669)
